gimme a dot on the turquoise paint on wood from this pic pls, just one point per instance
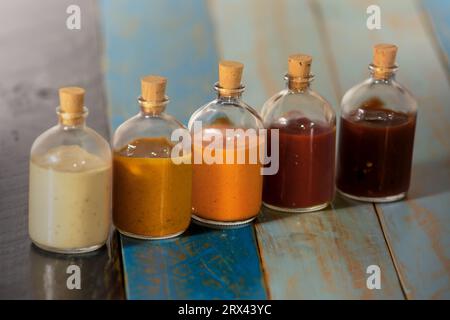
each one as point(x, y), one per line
point(264, 44)
point(201, 264)
point(316, 255)
point(439, 14)
point(325, 254)
point(417, 229)
point(174, 39)
point(165, 37)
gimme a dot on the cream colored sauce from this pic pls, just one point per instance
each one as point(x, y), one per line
point(70, 199)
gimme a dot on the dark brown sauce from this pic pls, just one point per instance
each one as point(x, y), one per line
point(375, 151)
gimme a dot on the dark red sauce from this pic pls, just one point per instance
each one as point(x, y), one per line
point(306, 166)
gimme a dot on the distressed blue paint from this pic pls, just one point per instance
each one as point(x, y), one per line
point(174, 39)
point(166, 37)
point(320, 255)
point(201, 264)
point(417, 229)
point(439, 12)
point(264, 44)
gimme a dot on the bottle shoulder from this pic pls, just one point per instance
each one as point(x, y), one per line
point(390, 95)
point(288, 105)
point(71, 149)
point(233, 113)
point(141, 126)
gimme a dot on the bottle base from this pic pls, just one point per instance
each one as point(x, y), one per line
point(297, 210)
point(140, 237)
point(374, 199)
point(221, 224)
point(69, 250)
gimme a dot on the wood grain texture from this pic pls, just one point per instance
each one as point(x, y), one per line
point(168, 38)
point(176, 42)
point(201, 264)
point(439, 18)
point(321, 255)
point(418, 229)
point(39, 55)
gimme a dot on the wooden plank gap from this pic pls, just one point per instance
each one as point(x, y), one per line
point(325, 41)
point(391, 254)
point(264, 270)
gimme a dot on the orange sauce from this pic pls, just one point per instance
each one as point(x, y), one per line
point(151, 196)
point(226, 192)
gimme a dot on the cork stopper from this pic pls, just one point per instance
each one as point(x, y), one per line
point(230, 74)
point(383, 62)
point(153, 88)
point(299, 65)
point(71, 99)
point(384, 55)
point(71, 106)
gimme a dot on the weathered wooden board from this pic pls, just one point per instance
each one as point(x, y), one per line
point(316, 255)
point(39, 55)
point(201, 264)
point(439, 17)
point(170, 38)
point(417, 230)
point(174, 39)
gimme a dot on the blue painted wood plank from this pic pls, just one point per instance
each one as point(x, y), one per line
point(169, 38)
point(321, 255)
point(439, 14)
point(325, 254)
point(201, 264)
point(417, 229)
point(174, 39)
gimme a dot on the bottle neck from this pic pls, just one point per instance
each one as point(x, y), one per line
point(152, 108)
point(229, 94)
point(382, 74)
point(298, 84)
point(69, 121)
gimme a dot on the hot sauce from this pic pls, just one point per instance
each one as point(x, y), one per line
point(306, 124)
point(375, 151)
point(306, 170)
point(152, 187)
point(227, 192)
point(152, 196)
point(376, 139)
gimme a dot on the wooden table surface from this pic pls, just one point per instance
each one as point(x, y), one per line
point(316, 255)
point(38, 56)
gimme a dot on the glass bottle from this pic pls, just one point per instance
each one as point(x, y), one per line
point(376, 140)
point(70, 182)
point(226, 192)
point(306, 124)
point(152, 187)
